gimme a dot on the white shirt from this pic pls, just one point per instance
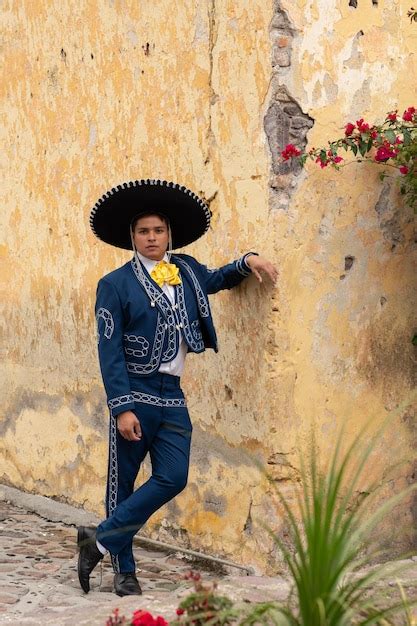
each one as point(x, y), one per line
point(176, 366)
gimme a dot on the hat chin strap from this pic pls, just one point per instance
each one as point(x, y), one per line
point(169, 249)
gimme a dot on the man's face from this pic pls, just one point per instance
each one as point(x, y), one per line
point(151, 237)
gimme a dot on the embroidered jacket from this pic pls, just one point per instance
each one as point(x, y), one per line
point(138, 327)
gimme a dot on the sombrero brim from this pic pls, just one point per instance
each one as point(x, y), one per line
point(188, 215)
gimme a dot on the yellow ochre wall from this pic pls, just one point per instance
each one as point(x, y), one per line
point(201, 91)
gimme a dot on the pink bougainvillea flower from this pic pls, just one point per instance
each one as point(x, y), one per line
point(362, 126)
point(392, 116)
point(290, 151)
point(404, 169)
point(337, 159)
point(116, 619)
point(349, 128)
point(408, 115)
point(322, 163)
point(384, 153)
point(160, 621)
point(180, 611)
point(374, 134)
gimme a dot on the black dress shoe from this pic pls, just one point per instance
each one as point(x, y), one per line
point(127, 584)
point(89, 555)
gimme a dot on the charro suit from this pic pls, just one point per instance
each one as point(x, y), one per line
point(138, 331)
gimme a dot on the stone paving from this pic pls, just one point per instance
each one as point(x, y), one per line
point(38, 571)
point(39, 584)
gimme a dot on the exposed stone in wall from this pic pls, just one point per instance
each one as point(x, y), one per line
point(395, 221)
point(284, 121)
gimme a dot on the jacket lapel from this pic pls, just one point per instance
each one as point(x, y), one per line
point(156, 295)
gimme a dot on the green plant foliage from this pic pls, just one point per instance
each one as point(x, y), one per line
point(265, 613)
point(333, 525)
point(205, 606)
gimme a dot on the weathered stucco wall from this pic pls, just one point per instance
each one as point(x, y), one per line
point(207, 95)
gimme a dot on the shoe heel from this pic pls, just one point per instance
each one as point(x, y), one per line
point(81, 536)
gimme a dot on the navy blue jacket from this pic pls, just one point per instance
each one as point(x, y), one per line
point(139, 328)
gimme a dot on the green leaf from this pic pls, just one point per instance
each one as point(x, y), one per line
point(363, 147)
point(354, 149)
point(414, 340)
point(407, 137)
point(370, 144)
point(390, 136)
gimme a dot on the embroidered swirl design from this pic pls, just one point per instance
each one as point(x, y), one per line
point(105, 314)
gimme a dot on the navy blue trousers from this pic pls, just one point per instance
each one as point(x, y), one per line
point(166, 434)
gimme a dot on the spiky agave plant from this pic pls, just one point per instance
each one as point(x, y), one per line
point(328, 535)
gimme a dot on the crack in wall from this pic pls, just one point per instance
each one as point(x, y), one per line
point(284, 121)
point(213, 96)
point(248, 526)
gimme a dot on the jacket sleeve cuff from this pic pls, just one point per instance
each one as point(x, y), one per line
point(121, 404)
point(241, 265)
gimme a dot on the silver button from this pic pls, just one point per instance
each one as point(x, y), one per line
point(152, 303)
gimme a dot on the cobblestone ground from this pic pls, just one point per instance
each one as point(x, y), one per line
point(38, 572)
point(39, 584)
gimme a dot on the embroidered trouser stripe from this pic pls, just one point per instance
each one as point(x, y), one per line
point(113, 481)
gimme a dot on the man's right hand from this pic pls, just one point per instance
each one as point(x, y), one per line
point(128, 426)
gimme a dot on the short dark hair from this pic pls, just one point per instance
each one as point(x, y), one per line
point(139, 216)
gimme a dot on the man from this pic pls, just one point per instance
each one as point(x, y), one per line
point(150, 313)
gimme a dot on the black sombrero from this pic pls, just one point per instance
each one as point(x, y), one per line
point(111, 217)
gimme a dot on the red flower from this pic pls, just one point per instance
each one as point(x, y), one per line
point(290, 151)
point(337, 159)
point(384, 153)
point(404, 169)
point(349, 128)
point(116, 619)
point(180, 611)
point(160, 621)
point(392, 116)
point(362, 126)
point(142, 618)
point(409, 114)
point(374, 134)
point(322, 163)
